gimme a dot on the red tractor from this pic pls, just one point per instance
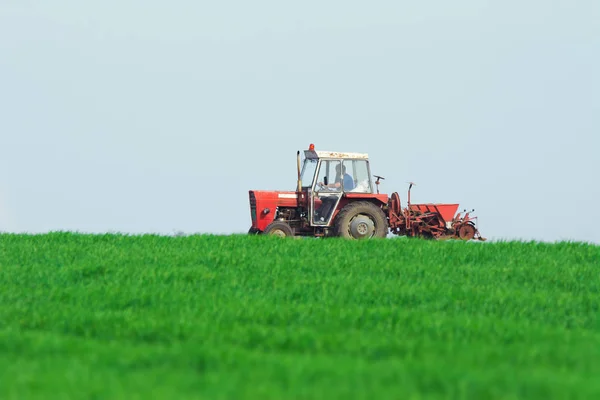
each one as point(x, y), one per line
point(348, 206)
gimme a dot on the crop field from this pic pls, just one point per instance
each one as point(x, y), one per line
point(236, 317)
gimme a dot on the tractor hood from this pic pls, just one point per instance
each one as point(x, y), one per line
point(263, 204)
point(280, 198)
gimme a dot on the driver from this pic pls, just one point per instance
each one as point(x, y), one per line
point(341, 177)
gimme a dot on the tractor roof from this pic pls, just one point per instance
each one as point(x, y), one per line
point(334, 154)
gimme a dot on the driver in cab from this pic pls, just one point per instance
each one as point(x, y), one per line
point(339, 178)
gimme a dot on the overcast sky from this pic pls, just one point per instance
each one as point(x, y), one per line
point(147, 116)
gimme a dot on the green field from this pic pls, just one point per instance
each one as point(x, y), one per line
point(234, 317)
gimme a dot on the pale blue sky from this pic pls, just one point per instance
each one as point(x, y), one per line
point(147, 116)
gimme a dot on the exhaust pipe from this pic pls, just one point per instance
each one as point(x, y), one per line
point(299, 188)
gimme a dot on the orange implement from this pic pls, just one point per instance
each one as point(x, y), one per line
point(447, 211)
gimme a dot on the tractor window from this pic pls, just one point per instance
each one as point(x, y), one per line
point(308, 171)
point(327, 174)
point(359, 170)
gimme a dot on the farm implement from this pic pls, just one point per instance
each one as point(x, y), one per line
point(335, 196)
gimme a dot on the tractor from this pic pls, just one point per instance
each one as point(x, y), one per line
point(336, 197)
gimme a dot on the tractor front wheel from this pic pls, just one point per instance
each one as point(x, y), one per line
point(361, 220)
point(279, 228)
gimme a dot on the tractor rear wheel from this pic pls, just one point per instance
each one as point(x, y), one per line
point(361, 220)
point(279, 228)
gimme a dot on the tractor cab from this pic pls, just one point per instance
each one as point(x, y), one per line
point(328, 178)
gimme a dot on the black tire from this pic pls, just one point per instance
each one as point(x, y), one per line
point(361, 220)
point(253, 231)
point(279, 228)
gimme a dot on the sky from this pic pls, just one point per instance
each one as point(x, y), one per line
point(158, 117)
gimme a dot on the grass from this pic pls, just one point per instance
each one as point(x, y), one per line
point(231, 317)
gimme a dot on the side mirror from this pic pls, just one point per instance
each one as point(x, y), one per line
point(325, 180)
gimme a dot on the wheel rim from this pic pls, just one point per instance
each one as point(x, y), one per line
point(466, 232)
point(278, 232)
point(361, 227)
